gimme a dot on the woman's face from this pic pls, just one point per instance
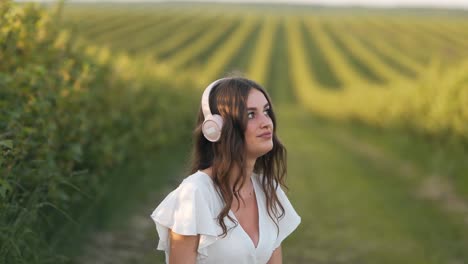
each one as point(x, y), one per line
point(259, 123)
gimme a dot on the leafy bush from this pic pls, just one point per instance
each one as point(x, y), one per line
point(65, 119)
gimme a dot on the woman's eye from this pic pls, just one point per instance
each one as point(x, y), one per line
point(250, 115)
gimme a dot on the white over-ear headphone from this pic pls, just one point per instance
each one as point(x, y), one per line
point(212, 124)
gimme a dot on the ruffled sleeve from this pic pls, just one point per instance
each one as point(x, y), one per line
point(185, 211)
point(290, 221)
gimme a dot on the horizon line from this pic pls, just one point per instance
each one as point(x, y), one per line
point(404, 5)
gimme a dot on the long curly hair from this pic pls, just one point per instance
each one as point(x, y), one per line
point(229, 99)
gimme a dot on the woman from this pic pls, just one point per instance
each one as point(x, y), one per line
point(231, 208)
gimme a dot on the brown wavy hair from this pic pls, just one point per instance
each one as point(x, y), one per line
point(229, 99)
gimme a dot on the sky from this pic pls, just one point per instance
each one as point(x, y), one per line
point(374, 3)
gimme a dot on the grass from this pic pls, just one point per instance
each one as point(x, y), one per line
point(278, 82)
point(240, 61)
point(357, 63)
point(318, 61)
point(354, 208)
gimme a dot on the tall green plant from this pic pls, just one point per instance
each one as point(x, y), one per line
point(65, 119)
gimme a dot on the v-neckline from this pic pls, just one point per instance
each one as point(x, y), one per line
point(259, 221)
point(258, 212)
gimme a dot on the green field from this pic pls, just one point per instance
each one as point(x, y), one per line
point(372, 106)
point(331, 57)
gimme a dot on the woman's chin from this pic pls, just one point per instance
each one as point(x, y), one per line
point(265, 151)
point(261, 149)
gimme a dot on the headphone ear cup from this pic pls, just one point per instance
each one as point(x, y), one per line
point(211, 127)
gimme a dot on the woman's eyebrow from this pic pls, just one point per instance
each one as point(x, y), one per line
point(253, 108)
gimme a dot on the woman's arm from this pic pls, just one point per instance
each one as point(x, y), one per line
point(183, 248)
point(276, 257)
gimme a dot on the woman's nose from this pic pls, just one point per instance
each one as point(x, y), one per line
point(266, 121)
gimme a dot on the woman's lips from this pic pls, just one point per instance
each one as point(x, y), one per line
point(266, 135)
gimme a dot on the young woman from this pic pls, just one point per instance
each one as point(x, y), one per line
point(231, 208)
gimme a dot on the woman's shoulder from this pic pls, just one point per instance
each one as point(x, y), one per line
point(197, 180)
point(193, 191)
point(197, 185)
point(187, 210)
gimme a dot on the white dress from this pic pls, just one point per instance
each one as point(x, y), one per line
point(192, 209)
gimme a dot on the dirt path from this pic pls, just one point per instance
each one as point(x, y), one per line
point(433, 187)
point(133, 239)
point(120, 246)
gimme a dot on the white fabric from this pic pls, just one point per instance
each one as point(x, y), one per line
point(192, 209)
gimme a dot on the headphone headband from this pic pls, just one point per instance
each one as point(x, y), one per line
point(206, 95)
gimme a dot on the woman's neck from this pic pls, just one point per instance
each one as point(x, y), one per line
point(248, 173)
point(233, 175)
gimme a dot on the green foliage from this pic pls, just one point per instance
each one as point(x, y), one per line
point(66, 119)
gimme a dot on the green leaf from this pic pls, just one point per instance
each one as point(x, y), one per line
point(77, 152)
point(7, 143)
point(4, 187)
